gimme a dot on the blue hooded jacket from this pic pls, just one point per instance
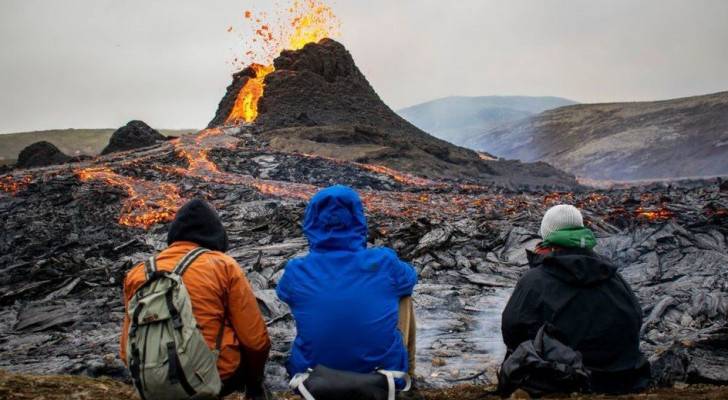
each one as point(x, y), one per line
point(345, 297)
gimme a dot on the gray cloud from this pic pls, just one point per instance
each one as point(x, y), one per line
point(99, 63)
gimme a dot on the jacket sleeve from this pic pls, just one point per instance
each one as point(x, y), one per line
point(403, 275)
point(521, 318)
point(248, 324)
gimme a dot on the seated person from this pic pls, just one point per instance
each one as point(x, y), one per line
point(583, 296)
point(347, 299)
point(223, 303)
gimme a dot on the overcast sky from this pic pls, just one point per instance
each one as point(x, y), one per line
point(100, 63)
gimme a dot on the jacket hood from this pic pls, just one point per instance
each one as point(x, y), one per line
point(335, 220)
point(199, 223)
point(578, 267)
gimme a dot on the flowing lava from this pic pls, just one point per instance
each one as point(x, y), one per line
point(309, 22)
point(400, 177)
point(195, 149)
point(10, 184)
point(652, 215)
point(246, 104)
point(148, 202)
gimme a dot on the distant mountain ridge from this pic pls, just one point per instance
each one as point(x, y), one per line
point(684, 137)
point(458, 118)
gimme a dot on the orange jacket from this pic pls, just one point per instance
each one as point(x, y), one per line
point(219, 292)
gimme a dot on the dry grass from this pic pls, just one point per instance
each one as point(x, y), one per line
point(17, 387)
point(56, 387)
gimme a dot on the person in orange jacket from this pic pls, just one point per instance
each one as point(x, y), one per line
point(219, 293)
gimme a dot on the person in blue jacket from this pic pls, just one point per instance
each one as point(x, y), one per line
point(346, 297)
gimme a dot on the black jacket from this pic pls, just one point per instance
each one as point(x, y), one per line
point(593, 310)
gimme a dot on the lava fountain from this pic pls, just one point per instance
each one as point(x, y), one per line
point(308, 22)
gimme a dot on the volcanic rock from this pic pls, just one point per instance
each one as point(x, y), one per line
point(41, 154)
point(63, 257)
point(318, 102)
point(135, 134)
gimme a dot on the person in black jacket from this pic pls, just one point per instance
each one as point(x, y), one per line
point(582, 296)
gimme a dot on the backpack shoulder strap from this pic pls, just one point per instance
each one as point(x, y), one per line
point(150, 267)
point(297, 384)
point(187, 260)
point(391, 376)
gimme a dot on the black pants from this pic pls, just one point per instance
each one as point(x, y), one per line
point(235, 383)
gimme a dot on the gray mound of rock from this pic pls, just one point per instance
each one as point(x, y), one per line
point(41, 154)
point(134, 135)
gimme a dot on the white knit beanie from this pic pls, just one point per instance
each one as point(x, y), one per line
point(560, 217)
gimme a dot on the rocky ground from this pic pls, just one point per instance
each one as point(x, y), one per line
point(71, 232)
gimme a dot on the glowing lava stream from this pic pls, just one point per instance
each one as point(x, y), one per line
point(246, 104)
point(10, 184)
point(147, 202)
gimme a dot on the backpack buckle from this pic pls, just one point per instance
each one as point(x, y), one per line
point(177, 322)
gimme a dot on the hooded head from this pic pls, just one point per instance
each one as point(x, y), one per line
point(335, 220)
point(560, 217)
point(199, 223)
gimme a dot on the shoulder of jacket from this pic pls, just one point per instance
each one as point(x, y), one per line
point(217, 257)
point(294, 263)
point(135, 276)
point(534, 276)
point(135, 270)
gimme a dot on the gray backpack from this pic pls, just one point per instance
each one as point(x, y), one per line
point(167, 355)
point(544, 365)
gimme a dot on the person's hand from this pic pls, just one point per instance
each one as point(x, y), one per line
point(259, 392)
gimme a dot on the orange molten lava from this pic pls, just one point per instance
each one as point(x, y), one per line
point(13, 185)
point(285, 189)
point(400, 177)
point(660, 214)
point(246, 104)
point(308, 22)
point(311, 21)
point(194, 149)
point(147, 202)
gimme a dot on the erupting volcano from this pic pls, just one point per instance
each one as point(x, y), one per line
point(309, 22)
point(307, 95)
